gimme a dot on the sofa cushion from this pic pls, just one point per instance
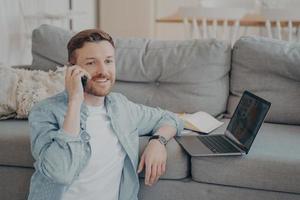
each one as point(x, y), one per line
point(270, 69)
point(272, 163)
point(177, 166)
point(180, 76)
point(187, 189)
point(15, 143)
point(24, 88)
point(15, 182)
point(49, 47)
point(15, 149)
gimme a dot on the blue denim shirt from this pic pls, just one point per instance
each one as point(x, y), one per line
point(60, 157)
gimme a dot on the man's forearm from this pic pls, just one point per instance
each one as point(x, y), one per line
point(72, 119)
point(166, 131)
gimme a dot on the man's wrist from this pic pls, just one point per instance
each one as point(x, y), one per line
point(74, 105)
point(159, 138)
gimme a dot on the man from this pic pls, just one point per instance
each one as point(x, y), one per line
point(85, 139)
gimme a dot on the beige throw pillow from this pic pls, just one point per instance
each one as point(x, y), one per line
point(21, 89)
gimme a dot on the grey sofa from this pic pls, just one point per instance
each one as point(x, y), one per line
point(188, 76)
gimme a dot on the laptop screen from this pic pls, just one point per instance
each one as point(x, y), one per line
point(247, 119)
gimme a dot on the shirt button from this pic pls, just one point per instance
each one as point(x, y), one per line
point(85, 136)
point(82, 126)
point(157, 83)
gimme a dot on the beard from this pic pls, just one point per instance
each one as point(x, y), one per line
point(99, 89)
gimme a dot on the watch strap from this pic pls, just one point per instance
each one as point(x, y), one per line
point(160, 138)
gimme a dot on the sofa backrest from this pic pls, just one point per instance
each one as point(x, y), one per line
point(270, 69)
point(180, 76)
point(49, 47)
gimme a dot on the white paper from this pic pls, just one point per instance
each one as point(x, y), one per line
point(202, 121)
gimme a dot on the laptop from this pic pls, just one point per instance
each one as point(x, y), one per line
point(240, 132)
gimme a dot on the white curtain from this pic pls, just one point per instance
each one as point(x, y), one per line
point(15, 46)
point(11, 31)
point(17, 25)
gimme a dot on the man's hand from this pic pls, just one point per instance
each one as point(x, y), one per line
point(153, 160)
point(73, 83)
point(75, 94)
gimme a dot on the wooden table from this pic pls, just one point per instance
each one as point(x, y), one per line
point(254, 20)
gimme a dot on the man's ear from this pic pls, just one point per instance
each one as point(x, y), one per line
point(72, 59)
point(70, 63)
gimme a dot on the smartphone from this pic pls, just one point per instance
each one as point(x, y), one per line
point(83, 78)
point(84, 81)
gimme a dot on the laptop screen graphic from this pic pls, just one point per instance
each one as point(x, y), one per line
point(247, 118)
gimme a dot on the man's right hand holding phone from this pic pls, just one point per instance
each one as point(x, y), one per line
point(73, 83)
point(75, 91)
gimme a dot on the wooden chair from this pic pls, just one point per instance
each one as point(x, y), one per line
point(279, 15)
point(217, 11)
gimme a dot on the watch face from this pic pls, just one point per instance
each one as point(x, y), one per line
point(162, 140)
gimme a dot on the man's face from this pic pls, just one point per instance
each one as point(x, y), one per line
point(98, 59)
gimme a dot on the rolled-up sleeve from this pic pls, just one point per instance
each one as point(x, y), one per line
point(149, 119)
point(170, 119)
point(57, 153)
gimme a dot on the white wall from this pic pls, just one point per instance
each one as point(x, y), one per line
point(87, 20)
point(136, 18)
point(127, 18)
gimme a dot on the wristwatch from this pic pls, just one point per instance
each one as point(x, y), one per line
point(160, 138)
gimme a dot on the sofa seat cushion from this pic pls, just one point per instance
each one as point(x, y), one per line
point(15, 143)
point(187, 189)
point(15, 149)
point(177, 166)
point(272, 163)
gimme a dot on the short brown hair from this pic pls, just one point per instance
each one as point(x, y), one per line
point(89, 35)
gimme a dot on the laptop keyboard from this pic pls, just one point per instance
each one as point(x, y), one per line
point(218, 144)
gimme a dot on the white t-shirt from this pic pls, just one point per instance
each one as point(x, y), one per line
point(100, 179)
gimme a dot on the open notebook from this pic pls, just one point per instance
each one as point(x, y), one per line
point(200, 122)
